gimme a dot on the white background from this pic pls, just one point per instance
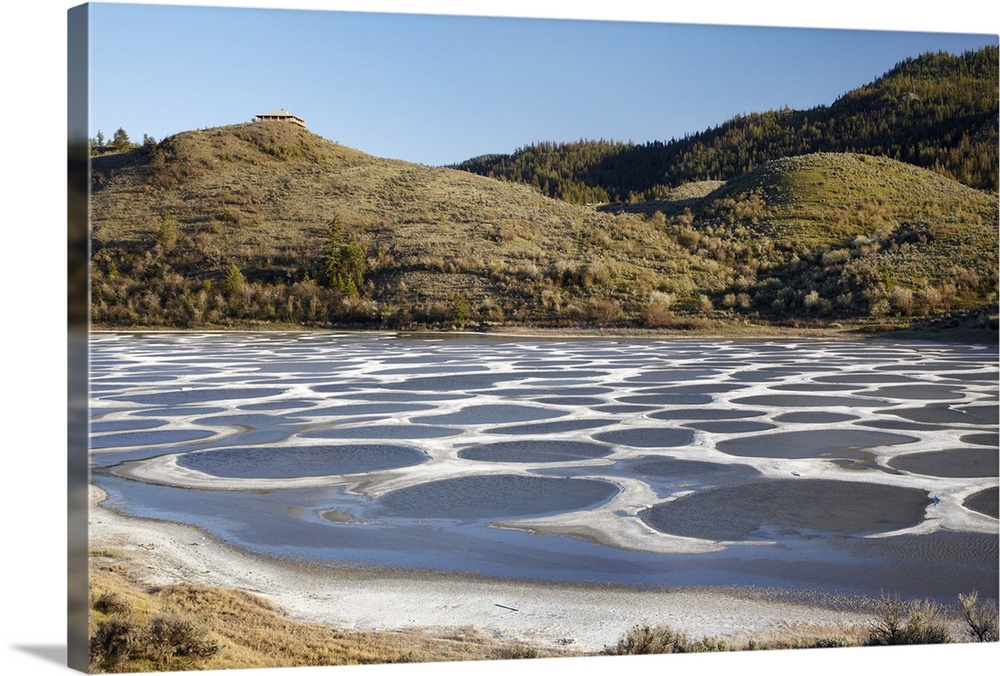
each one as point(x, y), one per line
point(33, 229)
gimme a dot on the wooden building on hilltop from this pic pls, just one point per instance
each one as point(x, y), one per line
point(280, 115)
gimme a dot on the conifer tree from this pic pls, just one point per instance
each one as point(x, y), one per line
point(332, 252)
point(344, 265)
point(234, 281)
point(353, 264)
point(121, 141)
point(166, 236)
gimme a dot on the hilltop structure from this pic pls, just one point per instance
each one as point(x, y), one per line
point(280, 115)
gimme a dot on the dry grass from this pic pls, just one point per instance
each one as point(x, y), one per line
point(136, 627)
point(250, 632)
point(824, 236)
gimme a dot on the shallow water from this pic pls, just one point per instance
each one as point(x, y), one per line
point(845, 466)
point(535, 450)
point(830, 443)
point(273, 462)
point(764, 509)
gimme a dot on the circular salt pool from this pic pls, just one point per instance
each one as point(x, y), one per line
point(984, 501)
point(647, 437)
point(808, 400)
point(495, 496)
point(705, 414)
point(198, 395)
point(283, 462)
point(125, 425)
point(554, 427)
point(952, 462)
point(147, 438)
point(535, 450)
point(694, 470)
point(730, 426)
point(834, 443)
point(814, 417)
point(784, 507)
point(401, 432)
point(491, 413)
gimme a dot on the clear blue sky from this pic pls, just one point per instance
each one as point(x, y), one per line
point(440, 89)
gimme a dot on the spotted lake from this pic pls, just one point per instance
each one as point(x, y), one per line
point(849, 467)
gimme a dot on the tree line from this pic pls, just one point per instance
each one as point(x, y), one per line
point(937, 111)
point(118, 143)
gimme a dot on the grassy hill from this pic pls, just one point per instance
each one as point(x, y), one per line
point(268, 224)
point(439, 245)
point(842, 235)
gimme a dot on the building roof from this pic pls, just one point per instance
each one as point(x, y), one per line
point(281, 114)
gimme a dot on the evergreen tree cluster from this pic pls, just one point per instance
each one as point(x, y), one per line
point(344, 265)
point(119, 143)
point(937, 111)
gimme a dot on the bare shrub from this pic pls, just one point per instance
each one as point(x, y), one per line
point(835, 641)
point(880, 308)
point(594, 274)
point(113, 643)
point(526, 271)
point(687, 237)
point(929, 300)
point(438, 312)
point(661, 639)
point(602, 311)
point(911, 623)
point(901, 300)
point(110, 603)
point(165, 642)
point(835, 257)
point(662, 297)
point(657, 315)
point(980, 619)
point(515, 652)
point(170, 638)
point(811, 299)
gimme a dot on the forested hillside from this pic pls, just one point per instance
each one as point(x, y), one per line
point(936, 111)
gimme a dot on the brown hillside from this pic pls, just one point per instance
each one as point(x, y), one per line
point(262, 196)
point(268, 223)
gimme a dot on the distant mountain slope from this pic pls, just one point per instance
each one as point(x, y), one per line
point(937, 111)
point(267, 224)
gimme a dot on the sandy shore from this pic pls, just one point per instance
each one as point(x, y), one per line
point(579, 617)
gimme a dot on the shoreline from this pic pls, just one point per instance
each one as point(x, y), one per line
point(847, 331)
point(577, 617)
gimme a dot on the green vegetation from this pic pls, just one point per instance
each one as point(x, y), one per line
point(120, 143)
point(268, 225)
point(937, 111)
point(841, 235)
point(344, 265)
